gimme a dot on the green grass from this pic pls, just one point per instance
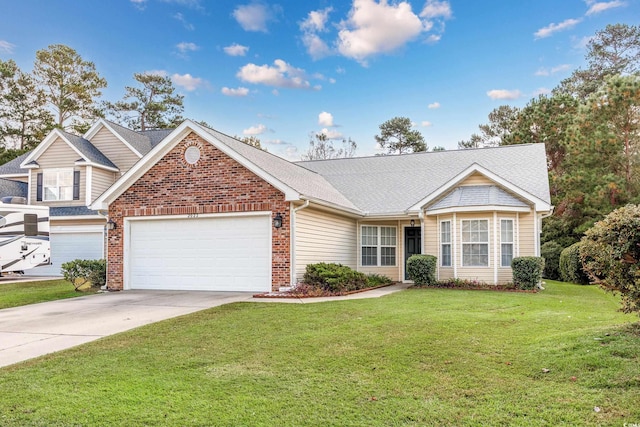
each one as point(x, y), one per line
point(414, 358)
point(23, 293)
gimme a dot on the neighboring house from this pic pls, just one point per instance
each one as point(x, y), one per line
point(67, 172)
point(201, 210)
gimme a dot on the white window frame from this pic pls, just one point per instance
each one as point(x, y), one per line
point(464, 243)
point(444, 244)
point(379, 245)
point(56, 190)
point(503, 241)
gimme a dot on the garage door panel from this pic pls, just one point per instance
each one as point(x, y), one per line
point(67, 246)
point(215, 253)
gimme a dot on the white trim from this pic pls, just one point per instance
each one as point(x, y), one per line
point(167, 144)
point(81, 162)
point(46, 143)
point(88, 187)
point(14, 175)
point(95, 128)
point(126, 227)
point(454, 248)
point(513, 239)
point(29, 187)
point(488, 243)
point(379, 246)
point(440, 242)
point(516, 252)
point(74, 217)
point(536, 235)
point(496, 262)
point(57, 173)
point(540, 204)
point(481, 208)
point(92, 228)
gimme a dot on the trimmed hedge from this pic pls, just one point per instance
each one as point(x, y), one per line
point(571, 265)
point(334, 278)
point(550, 251)
point(527, 271)
point(422, 269)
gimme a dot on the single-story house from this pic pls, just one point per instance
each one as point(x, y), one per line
point(204, 211)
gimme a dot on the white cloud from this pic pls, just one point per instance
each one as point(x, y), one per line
point(255, 130)
point(341, 70)
point(426, 124)
point(6, 47)
point(325, 119)
point(180, 17)
point(140, 4)
point(554, 28)
point(255, 16)
point(239, 91)
point(597, 7)
point(504, 94)
point(185, 47)
point(433, 105)
point(331, 133)
point(236, 50)
point(374, 28)
point(436, 9)
point(192, 4)
point(316, 47)
point(316, 20)
point(553, 70)
point(332, 80)
point(187, 81)
point(281, 75)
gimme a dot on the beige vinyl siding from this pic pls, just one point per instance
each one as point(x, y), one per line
point(430, 239)
point(526, 237)
point(59, 155)
point(392, 272)
point(477, 179)
point(323, 237)
point(101, 180)
point(114, 149)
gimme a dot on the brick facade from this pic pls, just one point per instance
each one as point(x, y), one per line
point(215, 184)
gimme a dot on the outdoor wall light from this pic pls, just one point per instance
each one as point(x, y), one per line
point(111, 224)
point(413, 223)
point(277, 220)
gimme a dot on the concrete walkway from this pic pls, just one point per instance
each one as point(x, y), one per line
point(38, 329)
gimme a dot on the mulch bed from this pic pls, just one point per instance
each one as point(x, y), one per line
point(292, 294)
point(495, 288)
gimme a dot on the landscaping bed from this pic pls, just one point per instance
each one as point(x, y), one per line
point(305, 291)
point(474, 285)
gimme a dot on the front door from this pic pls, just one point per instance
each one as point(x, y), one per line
point(412, 245)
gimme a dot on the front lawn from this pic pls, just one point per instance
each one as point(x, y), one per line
point(417, 357)
point(23, 293)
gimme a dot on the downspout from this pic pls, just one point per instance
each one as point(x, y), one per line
point(292, 262)
point(105, 242)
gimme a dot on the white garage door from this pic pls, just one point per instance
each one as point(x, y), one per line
point(67, 246)
point(220, 253)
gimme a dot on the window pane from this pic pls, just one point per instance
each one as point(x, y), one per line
point(475, 230)
point(65, 178)
point(388, 256)
point(506, 230)
point(369, 255)
point(507, 254)
point(445, 232)
point(369, 236)
point(475, 255)
point(388, 236)
point(446, 255)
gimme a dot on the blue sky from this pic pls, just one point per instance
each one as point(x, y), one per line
point(284, 70)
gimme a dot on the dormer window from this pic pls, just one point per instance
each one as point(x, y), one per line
point(58, 185)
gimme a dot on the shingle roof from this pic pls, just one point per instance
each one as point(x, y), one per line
point(155, 136)
point(71, 211)
point(477, 195)
point(303, 180)
point(9, 187)
point(392, 184)
point(138, 141)
point(88, 150)
point(12, 167)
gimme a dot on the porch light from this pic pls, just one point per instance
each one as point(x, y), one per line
point(277, 220)
point(413, 223)
point(111, 224)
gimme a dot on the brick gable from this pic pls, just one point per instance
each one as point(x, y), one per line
point(215, 184)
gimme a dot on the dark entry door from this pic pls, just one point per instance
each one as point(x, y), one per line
point(412, 245)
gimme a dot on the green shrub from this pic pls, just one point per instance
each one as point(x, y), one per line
point(527, 271)
point(378, 280)
point(610, 255)
point(85, 271)
point(334, 278)
point(550, 251)
point(422, 269)
point(571, 266)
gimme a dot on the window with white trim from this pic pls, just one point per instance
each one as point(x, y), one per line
point(378, 246)
point(506, 242)
point(57, 184)
point(475, 243)
point(445, 243)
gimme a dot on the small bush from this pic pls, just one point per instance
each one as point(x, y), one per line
point(378, 280)
point(550, 251)
point(422, 269)
point(527, 271)
point(85, 271)
point(571, 266)
point(334, 278)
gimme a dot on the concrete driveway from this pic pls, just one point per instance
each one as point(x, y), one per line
point(34, 330)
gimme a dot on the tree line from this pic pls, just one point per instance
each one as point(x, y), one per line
point(63, 91)
point(590, 125)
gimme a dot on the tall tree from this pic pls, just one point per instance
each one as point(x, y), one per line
point(502, 121)
point(322, 148)
point(396, 136)
point(153, 104)
point(71, 84)
point(24, 118)
point(612, 51)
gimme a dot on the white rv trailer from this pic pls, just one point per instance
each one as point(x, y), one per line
point(24, 235)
